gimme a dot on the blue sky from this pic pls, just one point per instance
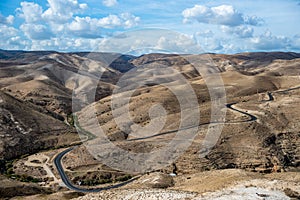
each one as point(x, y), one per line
point(216, 26)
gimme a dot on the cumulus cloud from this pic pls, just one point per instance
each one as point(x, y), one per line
point(67, 44)
point(15, 43)
point(91, 27)
point(129, 20)
point(109, 3)
point(7, 32)
point(58, 12)
point(84, 27)
point(222, 15)
point(61, 17)
point(212, 45)
point(125, 19)
point(109, 22)
point(205, 33)
point(240, 31)
point(81, 23)
point(268, 41)
point(30, 11)
point(209, 44)
point(61, 43)
point(10, 38)
point(296, 42)
point(63, 10)
point(178, 43)
point(6, 20)
point(36, 31)
point(150, 40)
point(253, 20)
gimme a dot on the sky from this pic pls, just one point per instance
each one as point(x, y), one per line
point(131, 25)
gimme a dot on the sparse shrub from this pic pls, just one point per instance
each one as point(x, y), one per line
point(124, 178)
point(10, 171)
point(70, 119)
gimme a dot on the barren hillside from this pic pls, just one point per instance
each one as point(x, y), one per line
point(260, 132)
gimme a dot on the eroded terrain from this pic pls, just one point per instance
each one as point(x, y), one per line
point(257, 153)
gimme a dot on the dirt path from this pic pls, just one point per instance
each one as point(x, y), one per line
point(41, 160)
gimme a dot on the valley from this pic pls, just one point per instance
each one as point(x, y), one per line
point(56, 109)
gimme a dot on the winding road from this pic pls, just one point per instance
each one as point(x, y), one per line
point(70, 185)
point(229, 106)
point(271, 97)
point(67, 182)
point(58, 158)
point(251, 117)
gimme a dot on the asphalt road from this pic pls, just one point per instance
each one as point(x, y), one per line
point(229, 106)
point(58, 158)
point(70, 185)
point(270, 95)
point(251, 117)
point(58, 164)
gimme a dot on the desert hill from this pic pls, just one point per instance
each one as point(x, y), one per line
point(25, 129)
point(247, 79)
point(261, 126)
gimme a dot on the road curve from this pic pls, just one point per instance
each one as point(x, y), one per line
point(67, 182)
point(58, 158)
point(251, 118)
point(270, 94)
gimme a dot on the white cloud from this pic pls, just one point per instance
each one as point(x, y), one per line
point(10, 19)
point(67, 44)
point(240, 31)
point(129, 20)
point(126, 20)
point(17, 43)
point(268, 41)
point(92, 27)
point(6, 20)
point(10, 38)
point(109, 3)
point(178, 43)
point(222, 15)
point(59, 19)
point(80, 24)
point(229, 48)
point(84, 27)
point(40, 45)
point(206, 33)
point(62, 10)
point(213, 45)
point(62, 43)
point(57, 28)
point(150, 40)
point(7, 32)
point(109, 22)
point(296, 42)
point(36, 31)
point(254, 20)
point(210, 44)
point(30, 11)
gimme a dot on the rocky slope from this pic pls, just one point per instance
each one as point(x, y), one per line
point(36, 101)
point(25, 129)
point(270, 143)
